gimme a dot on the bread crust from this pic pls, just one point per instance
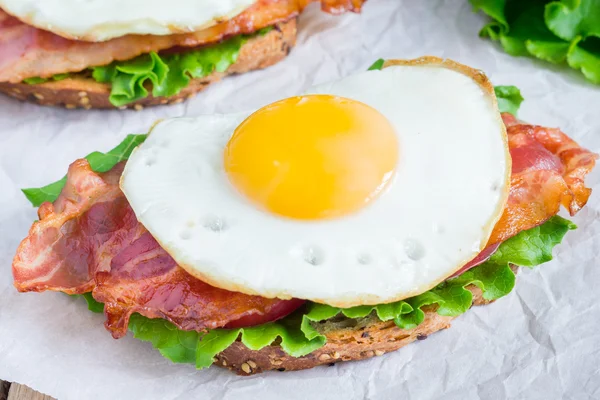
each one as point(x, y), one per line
point(365, 338)
point(83, 92)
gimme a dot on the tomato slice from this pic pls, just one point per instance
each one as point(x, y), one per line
point(479, 259)
point(278, 311)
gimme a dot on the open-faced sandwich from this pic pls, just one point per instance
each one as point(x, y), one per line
point(336, 225)
point(134, 53)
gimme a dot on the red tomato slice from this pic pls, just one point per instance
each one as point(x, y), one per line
point(278, 311)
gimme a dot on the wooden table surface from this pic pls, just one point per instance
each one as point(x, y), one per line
point(14, 391)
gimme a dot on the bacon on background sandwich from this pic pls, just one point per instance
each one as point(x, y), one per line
point(106, 54)
point(336, 225)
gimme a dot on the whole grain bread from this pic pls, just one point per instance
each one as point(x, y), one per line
point(82, 91)
point(347, 340)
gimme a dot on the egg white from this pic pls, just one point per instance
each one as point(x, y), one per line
point(450, 187)
point(99, 20)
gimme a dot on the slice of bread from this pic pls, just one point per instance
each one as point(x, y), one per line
point(347, 339)
point(84, 92)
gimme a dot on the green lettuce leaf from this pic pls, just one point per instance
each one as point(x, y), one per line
point(37, 80)
point(99, 162)
point(534, 246)
point(560, 32)
point(93, 305)
point(168, 74)
point(493, 8)
point(297, 337)
point(509, 99)
point(377, 65)
point(570, 19)
point(586, 57)
point(176, 345)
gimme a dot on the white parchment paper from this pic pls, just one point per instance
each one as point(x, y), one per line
point(540, 342)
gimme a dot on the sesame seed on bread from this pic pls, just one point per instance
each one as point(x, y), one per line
point(84, 92)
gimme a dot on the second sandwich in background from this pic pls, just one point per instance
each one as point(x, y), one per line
point(109, 54)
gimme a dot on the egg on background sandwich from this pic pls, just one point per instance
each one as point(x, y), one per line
point(135, 53)
point(337, 225)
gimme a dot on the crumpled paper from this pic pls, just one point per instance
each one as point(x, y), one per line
point(540, 342)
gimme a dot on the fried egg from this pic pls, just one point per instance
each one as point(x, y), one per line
point(367, 190)
point(99, 20)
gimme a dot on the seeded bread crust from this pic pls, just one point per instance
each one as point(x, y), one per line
point(347, 339)
point(84, 92)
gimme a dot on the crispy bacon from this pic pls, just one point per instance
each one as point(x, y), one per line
point(27, 52)
point(548, 170)
point(90, 240)
point(57, 253)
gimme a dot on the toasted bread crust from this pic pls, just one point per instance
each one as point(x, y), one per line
point(81, 92)
point(367, 338)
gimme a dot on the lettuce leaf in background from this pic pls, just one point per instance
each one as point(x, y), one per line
point(566, 31)
point(170, 73)
point(569, 19)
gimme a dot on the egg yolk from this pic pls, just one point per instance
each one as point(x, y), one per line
point(312, 157)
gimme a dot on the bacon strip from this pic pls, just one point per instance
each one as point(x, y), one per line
point(57, 255)
point(548, 170)
point(90, 240)
point(27, 52)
